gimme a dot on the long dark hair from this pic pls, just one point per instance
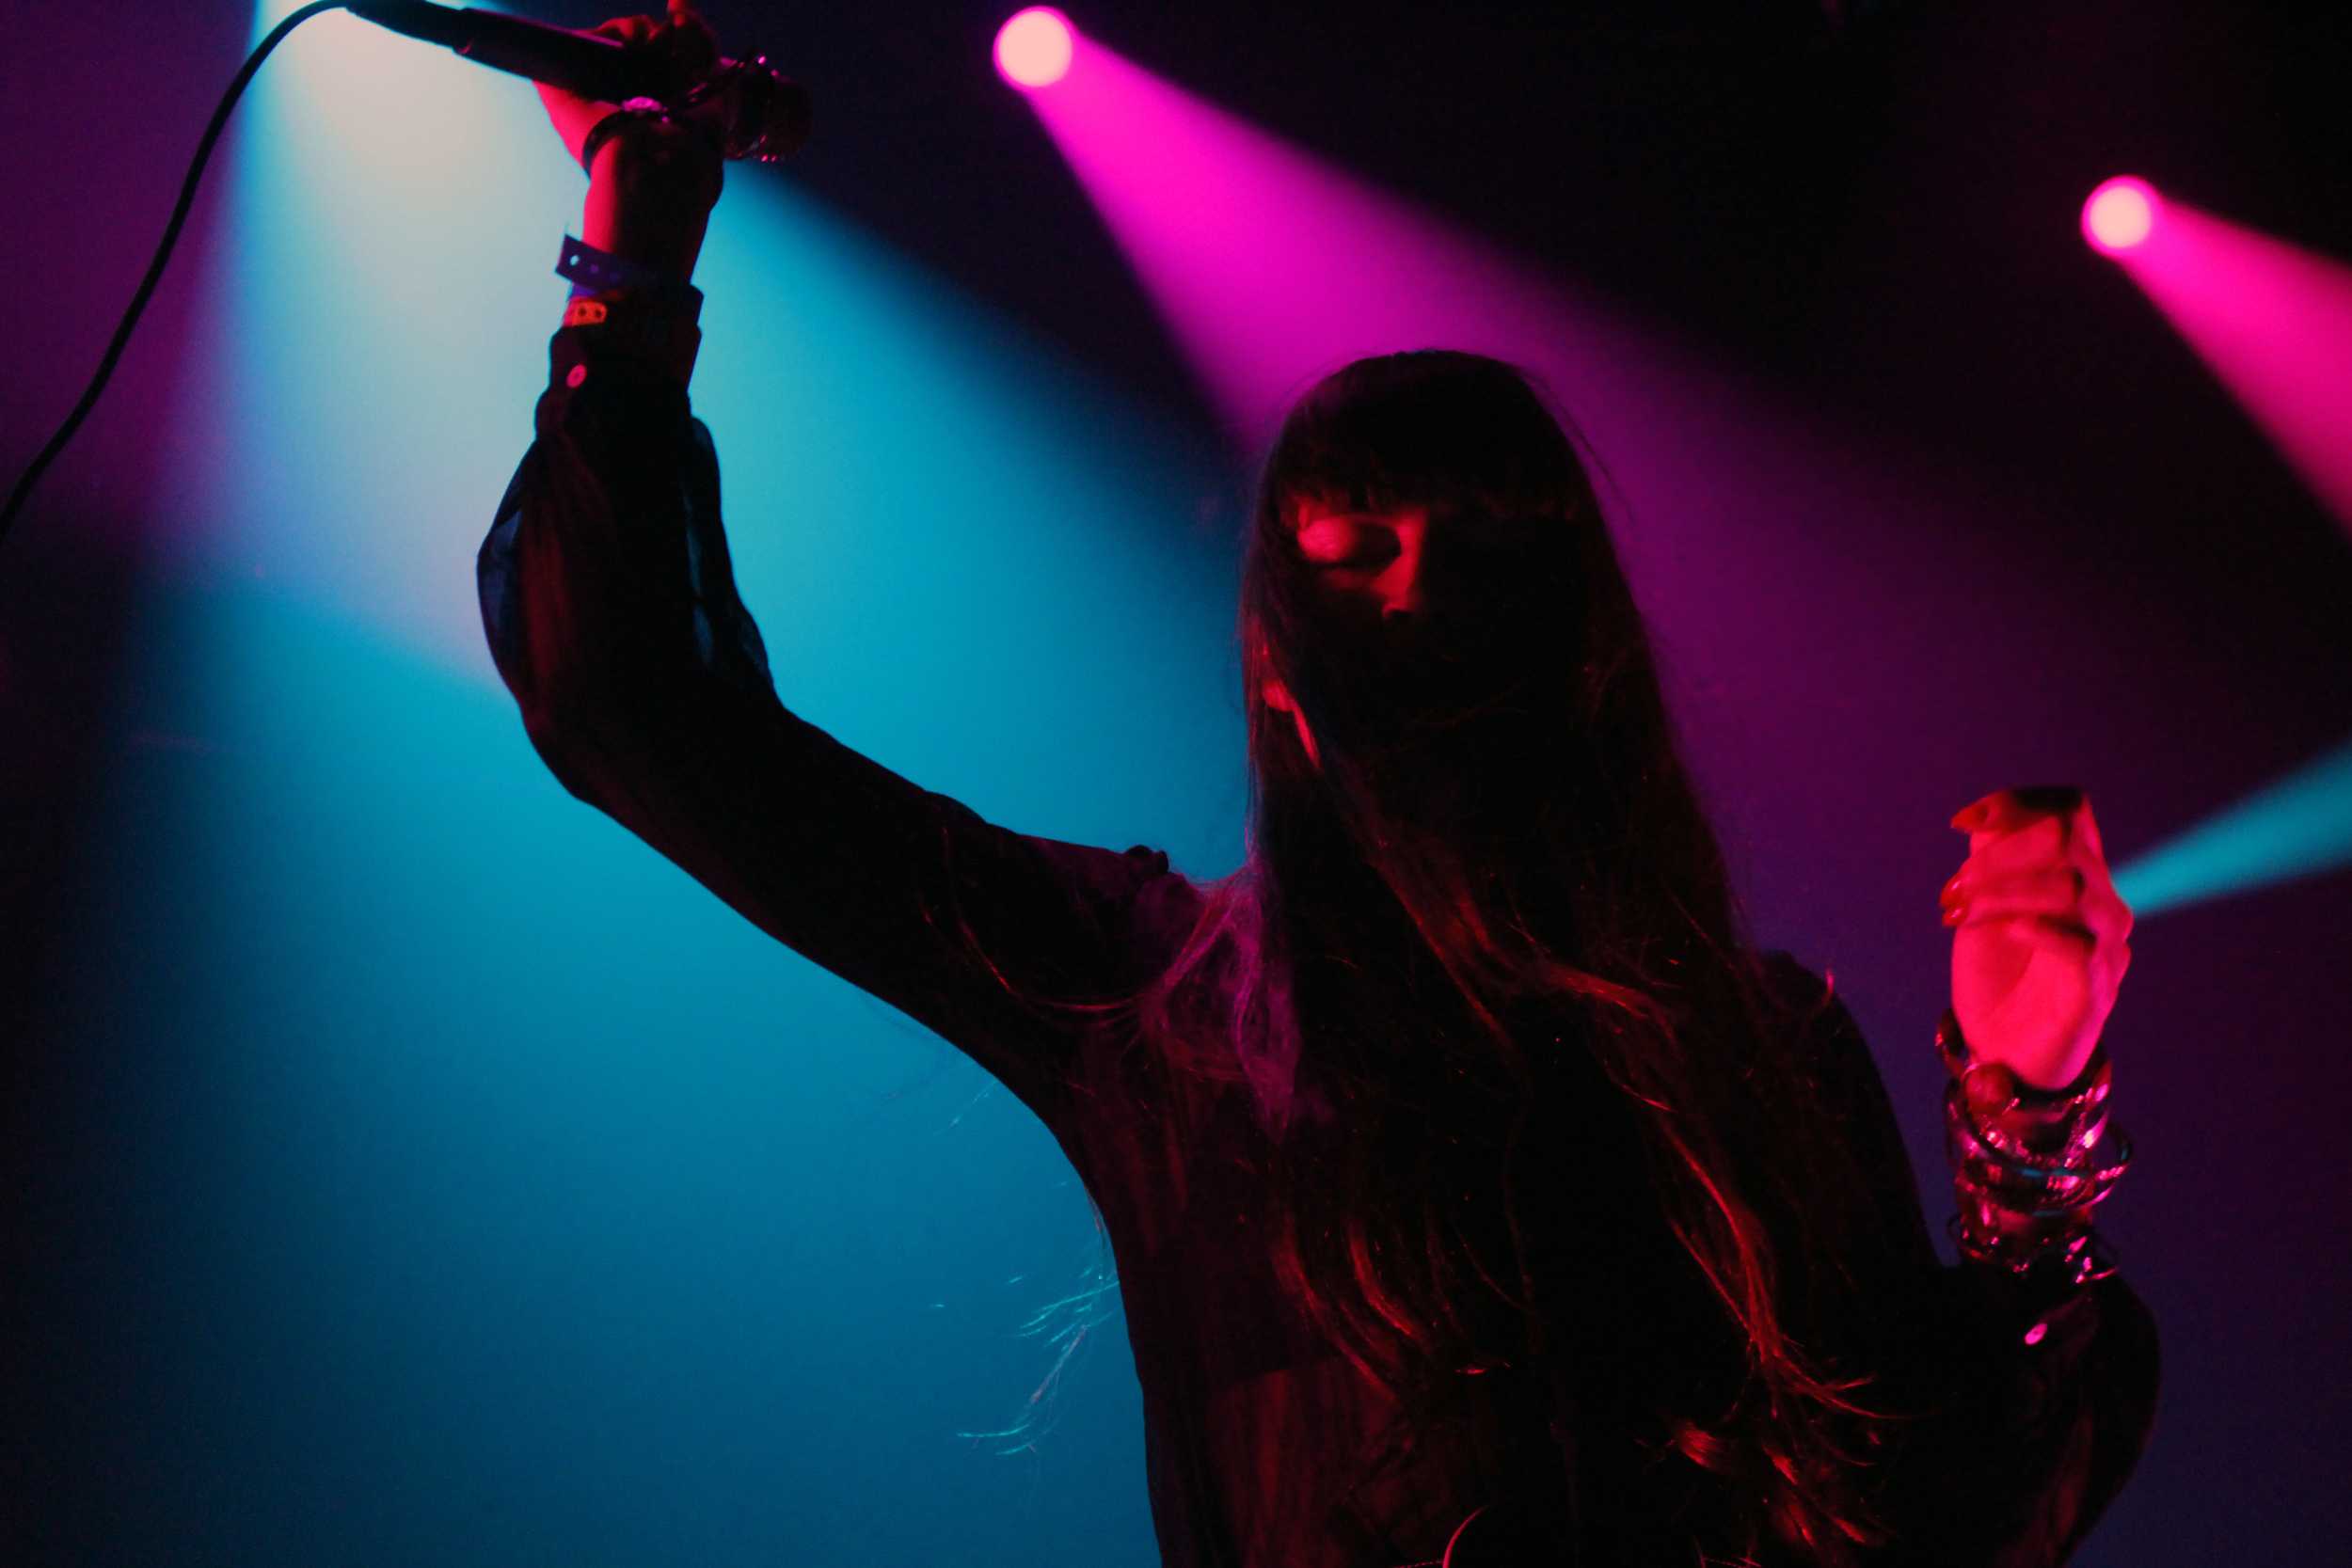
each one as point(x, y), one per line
point(1483, 972)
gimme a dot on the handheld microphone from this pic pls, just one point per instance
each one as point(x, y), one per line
point(762, 114)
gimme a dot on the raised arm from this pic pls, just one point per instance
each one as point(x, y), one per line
point(612, 612)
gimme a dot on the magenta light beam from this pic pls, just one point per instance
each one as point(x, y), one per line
point(1271, 267)
point(2271, 321)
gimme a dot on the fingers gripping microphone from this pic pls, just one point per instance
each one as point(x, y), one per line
point(762, 114)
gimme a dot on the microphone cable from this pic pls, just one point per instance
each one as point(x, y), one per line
point(155, 269)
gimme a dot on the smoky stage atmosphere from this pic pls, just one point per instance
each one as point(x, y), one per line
point(1441, 787)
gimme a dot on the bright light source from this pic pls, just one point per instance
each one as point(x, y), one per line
point(1033, 48)
point(2120, 214)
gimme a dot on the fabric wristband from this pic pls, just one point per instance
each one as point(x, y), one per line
point(593, 271)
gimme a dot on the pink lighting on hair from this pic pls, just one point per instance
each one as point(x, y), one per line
point(2120, 214)
point(1033, 48)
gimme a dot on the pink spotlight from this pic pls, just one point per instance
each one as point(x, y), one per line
point(2120, 214)
point(1033, 48)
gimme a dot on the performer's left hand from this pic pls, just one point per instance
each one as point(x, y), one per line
point(2042, 940)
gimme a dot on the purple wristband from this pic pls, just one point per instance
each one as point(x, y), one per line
point(592, 270)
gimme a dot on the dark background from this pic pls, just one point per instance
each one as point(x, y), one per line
point(1869, 207)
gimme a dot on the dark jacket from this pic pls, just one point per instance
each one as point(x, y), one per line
point(644, 684)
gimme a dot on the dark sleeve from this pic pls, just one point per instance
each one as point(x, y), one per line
point(612, 616)
point(2043, 1395)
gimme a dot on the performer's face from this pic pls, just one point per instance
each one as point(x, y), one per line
point(1372, 555)
point(1429, 579)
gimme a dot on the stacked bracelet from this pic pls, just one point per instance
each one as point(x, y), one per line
point(2027, 1165)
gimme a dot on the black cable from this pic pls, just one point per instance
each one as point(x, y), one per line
point(155, 269)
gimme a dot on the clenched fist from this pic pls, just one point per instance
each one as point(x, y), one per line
point(2041, 939)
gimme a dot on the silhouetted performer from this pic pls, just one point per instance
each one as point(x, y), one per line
point(1475, 1185)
